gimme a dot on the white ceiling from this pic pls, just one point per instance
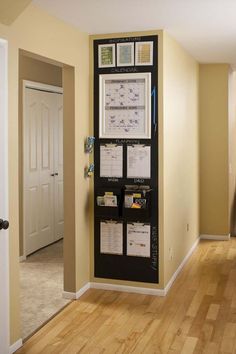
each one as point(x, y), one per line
point(206, 28)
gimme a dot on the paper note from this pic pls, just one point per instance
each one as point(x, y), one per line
point(138, 161)
point(111, 237)
point(111, 160)
point(144, 53)
point(138, 240)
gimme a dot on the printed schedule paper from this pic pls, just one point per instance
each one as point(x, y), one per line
point(139, 161)
point(111, 160)
point(111, 237)
point(138, 240)
point(125, 106)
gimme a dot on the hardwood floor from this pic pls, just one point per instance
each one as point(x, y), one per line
point(197, 316)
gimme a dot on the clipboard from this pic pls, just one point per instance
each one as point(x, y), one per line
point(139, 161)
point(111, 160)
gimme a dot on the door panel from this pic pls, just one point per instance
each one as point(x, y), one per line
point(33, 211)
point(38, 183)
point(43, 152)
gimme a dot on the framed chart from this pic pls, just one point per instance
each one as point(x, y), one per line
point(125, 106)
point(106, 55)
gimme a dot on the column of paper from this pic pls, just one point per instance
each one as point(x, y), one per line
point(111, 161)
point(111, 237)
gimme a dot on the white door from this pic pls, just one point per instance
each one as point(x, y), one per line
point(42, 114)
point(4, 248)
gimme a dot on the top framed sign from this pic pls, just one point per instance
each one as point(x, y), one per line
point(106, 55)
point(125, 106)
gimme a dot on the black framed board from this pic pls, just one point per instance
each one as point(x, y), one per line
point(126, 159)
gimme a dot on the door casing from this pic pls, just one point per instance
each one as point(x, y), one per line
point(4, 208)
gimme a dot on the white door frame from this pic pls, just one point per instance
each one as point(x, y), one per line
point(4, 253)
point(42, 87)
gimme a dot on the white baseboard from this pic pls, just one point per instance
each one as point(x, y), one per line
point(15, 346)
point(22, 258)
point(215, 237)
point(174, 276)
point(132, 289)
point(75, 296)
point(128, 289)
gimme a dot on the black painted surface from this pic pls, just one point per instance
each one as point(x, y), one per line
point(115, 266)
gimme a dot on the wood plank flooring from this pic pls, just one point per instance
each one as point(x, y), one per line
point(197, 316)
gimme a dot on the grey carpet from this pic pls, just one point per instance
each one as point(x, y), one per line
point(41, 286)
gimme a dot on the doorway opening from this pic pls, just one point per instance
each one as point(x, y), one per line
point(43, 209)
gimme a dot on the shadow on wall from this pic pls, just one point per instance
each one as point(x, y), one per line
point(233, 217)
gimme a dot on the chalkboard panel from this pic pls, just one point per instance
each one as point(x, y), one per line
point(114, 266)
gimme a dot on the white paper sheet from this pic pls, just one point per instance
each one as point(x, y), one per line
point(125, 101)
point(138, 240)
point(111, 237)
point(111, 160)
point(138, 161)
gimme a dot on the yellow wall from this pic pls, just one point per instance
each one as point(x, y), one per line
point(178, 154)
point(232, 151)
point(181, 157)
point(10, 10)
point(214, 179)
point(37, 32)
point(33, 70)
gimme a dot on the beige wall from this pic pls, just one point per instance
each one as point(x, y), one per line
point(62, 43)
point(232, 151)
point(33, 70)
point(178, 154)
point(10, 10)
point(214, 162)
point(181, 157)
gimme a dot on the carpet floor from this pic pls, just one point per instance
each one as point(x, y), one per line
point(41, 286)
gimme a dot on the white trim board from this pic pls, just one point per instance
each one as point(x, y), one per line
point(22, 258)
point(178, 270)
point(4, 243)
point(133, 289)
point(128, 289)
point(15, 346)
point(77, 295)
point(215, 237)
point(43, 87)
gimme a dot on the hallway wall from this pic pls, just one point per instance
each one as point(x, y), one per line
point(232, 151)
point(214, 145)
point(61, 43)
point(181, 154)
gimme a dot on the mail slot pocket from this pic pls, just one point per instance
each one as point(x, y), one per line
point(108, 202)
point(137, 203)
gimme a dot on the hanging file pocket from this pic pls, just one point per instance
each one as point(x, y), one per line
point(108, 202)
point(137, 203)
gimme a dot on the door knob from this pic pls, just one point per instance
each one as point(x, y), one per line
point(56, 174)
point(52, 174)
point(4, 224)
